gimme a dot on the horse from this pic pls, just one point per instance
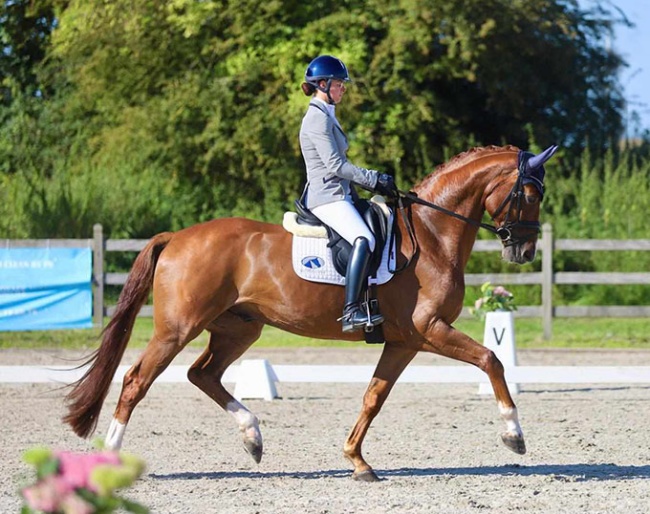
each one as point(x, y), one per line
point(232, 276)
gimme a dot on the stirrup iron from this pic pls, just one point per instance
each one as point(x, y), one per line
point(359, 316)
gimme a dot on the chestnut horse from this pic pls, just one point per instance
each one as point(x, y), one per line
point(233, 276)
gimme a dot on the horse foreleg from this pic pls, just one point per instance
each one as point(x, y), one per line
point(446, 340)
point(230, 338)
point(390, 366)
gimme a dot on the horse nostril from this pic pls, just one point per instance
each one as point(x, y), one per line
point(528, 255)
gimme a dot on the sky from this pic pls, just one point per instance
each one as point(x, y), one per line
point(633, 44)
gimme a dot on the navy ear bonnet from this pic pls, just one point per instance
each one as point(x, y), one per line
point(531, 167)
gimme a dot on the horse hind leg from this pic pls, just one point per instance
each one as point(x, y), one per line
point(155, 358)
point(230, 337)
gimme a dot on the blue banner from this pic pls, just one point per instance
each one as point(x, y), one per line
point(45, 288)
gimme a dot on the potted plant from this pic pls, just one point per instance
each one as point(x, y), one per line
point(496, 306)
point(493, 299)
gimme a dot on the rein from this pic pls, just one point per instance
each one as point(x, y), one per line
point(413, 198)
point(504, 232)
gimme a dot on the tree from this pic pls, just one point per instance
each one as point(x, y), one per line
point(447, 73)
point(198, 103)
point(25, 29)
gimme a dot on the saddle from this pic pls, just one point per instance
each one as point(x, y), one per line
point(374, 212)
point(305, 226)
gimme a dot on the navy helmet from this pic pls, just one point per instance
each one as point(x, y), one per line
point(326, 67)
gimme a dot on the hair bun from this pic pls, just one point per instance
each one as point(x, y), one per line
point(307, 88)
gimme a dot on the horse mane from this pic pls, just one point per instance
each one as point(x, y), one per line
point(465, 158)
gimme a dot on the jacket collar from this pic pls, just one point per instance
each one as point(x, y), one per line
point(322, 106)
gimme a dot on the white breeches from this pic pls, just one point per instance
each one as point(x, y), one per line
point(346, 220)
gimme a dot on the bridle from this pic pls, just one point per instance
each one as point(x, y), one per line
point(513, 201)
point(505, 232)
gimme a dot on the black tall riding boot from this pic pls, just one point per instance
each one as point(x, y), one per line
point(356, 274)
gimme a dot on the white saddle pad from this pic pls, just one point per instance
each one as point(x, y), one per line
point(312, 260)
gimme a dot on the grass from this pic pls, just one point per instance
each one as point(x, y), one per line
point(594, 333)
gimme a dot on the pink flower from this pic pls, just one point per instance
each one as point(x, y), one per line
point(501, 291)
point(478, 303)
point(64, 474)
point(75, 468)
point(48, 493)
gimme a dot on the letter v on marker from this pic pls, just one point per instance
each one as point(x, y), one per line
point(496, 336)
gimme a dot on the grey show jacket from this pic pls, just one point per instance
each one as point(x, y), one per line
point(329, 173)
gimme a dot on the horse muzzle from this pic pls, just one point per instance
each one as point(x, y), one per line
point(520, 253)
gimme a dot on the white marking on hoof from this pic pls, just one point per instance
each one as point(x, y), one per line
point(114, 435)
point(247, 422)
point(509, 415)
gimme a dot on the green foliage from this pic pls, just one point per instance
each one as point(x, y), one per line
point(25, 29)
point(606, 198)
point(567, 333)
point(153, 115)
point(576, 333)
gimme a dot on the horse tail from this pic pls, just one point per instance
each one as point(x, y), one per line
point(87, 396)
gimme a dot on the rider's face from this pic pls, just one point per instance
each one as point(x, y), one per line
point(337, 90)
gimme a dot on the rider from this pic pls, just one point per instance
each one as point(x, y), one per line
point(330, 176)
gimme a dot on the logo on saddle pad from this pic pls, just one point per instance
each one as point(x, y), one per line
point(312, 262)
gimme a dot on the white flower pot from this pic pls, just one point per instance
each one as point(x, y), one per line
point(499, 336)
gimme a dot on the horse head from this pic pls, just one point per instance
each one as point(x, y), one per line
point(514, 206)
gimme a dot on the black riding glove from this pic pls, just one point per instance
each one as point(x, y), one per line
point(386, 186)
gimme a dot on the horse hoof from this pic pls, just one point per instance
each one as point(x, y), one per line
point(514, 443)
point(365, 476)
point(255, 450)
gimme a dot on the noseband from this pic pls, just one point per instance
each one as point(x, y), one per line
point(513, 201)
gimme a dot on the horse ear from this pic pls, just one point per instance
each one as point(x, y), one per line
point(537, 161)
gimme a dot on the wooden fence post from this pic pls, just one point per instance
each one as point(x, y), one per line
point(547, 280)
point(98, 275)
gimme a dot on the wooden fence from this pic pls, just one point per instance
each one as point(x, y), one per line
point(546, 278)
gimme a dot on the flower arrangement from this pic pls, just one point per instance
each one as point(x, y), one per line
point(80, 483)
point(493, 299)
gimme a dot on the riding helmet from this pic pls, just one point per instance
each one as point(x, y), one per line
point(326, 67)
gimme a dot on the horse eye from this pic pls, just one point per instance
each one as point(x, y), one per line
point(532, 199)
